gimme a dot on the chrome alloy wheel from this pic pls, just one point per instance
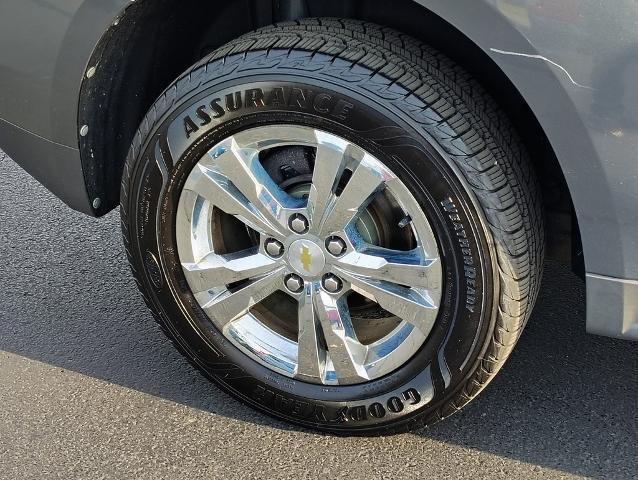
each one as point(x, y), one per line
point(315, 248)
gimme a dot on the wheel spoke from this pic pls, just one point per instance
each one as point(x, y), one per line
point(219, 191)
point(330, 164)
point(311, 358)
point(413, 306)
point(219, 270)
point(367, 180)
point(347, 353)
point(242, 167)
point(401, 267)
point(227, 305)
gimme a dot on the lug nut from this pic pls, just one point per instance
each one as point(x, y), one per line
point(274, 248)
point(331, 283)
point(336, 246)
point(298, 223)
point(294, 283)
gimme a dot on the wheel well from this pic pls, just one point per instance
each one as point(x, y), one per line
point(152, 42)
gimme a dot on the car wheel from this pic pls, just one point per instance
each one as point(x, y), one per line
point(335, 224)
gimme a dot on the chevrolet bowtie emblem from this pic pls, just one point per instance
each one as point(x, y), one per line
point(306, 258)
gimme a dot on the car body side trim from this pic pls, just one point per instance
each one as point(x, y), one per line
point(51, 163)
point(612, 306)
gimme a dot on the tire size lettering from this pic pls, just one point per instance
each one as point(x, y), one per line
point(469, 265)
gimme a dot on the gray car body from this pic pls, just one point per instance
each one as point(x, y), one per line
point(578, 79)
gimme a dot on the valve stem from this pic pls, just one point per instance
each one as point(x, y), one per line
point(407, 220)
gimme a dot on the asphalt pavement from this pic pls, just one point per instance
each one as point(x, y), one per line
point(90, 388)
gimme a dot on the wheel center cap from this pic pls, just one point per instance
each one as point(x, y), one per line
point(306, 258)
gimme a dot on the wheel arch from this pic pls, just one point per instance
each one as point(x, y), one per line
point(150, 42)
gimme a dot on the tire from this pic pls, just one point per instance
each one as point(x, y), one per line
point(450, 155)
